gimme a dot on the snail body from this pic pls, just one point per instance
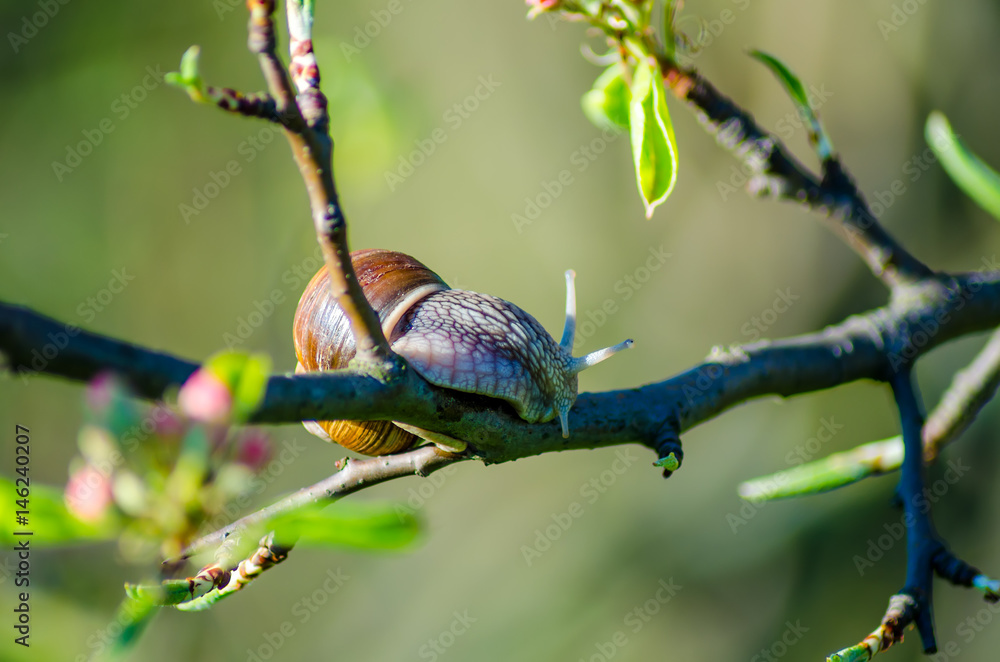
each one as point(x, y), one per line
point(470, 342)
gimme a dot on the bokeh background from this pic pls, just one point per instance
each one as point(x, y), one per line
point(746, 576)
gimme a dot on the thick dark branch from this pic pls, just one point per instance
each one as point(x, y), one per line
point(32, 343)
point(776, 172)
point(925, 553)
point(968, 393)
point(873, 345)
point(922, 542)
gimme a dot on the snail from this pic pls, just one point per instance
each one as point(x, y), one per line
point(470, 342)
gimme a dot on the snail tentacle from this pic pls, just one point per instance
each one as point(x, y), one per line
point(569, 330)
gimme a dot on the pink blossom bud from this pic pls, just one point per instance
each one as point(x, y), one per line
point(254, 449)
point(536, 7)
point(168, 423)
point(100, 391)
point(204, 397)
point(88, 493)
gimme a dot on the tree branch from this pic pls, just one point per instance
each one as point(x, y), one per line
point(922, 542)
point(900, 614)
point(913, 604)
point(776, 172)
point(353, 475)
point(873, 345)
point(970, 390)
point(260, 105)
point(968, 393)
point(307, 131)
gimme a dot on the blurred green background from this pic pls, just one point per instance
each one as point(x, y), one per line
point(743, 580)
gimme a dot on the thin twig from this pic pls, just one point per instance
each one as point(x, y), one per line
point(305, 69)
point(900, 613)
point(214, 582)
point(778, 173)
point(260, 105)
point(968, 393)
point(313, 151)
point(355, 475)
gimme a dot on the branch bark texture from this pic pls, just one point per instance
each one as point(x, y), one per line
point(873, 345)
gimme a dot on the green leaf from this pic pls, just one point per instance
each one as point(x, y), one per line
point(654, 147)
point(245, 375)
point(856, 653)
point(131, 620)
point(168, 592)
point(606, 104)
point(668, 462)
point(784, 75)
point(968, 171)
point(49, 520)
point(358, 525)
point(183, 485)
point(829, 473)
point(189, 78)
point(669, 30)
point(797, 91)
point(635, 14)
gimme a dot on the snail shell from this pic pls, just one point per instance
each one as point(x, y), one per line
point(456, 339)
